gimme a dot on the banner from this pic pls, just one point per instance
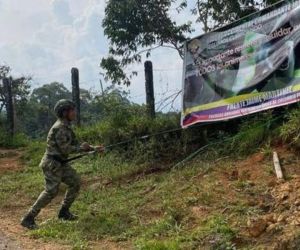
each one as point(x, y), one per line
point(245, 67)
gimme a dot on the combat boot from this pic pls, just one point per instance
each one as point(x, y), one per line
point(29, 222)
point(65, 214)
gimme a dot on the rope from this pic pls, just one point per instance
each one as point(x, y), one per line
point(130, 140)
point(188, 158)
point(151, 135)
point(194, 154)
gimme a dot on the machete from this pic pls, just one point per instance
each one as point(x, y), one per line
point(79, 156)
point(90, 153)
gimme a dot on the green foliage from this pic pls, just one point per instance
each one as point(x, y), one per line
point(61, 231)
point(133, 25)
point(143, 139)
point(33, 154)
point(150, 212)
point(17, 141)
point(219, 233)
point(38, 114)
point(123, 121)
point(253, 132)
point(213, 14)
point(20, 89)
point(290, 130)
point(49, 94)
point(136, 27)
point(157, 245)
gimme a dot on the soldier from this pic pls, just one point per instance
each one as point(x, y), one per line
point(61, 142)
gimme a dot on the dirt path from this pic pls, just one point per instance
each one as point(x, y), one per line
point(8, 162)
point(7, 243)
point(15, 237)
point(12, 235)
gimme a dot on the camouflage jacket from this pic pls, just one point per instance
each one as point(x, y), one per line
point(61, 140)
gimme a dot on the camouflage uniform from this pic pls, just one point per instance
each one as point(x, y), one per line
point(61, 142)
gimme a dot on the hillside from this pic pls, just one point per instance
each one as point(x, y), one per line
point(170, 189)
point(215, 201)
point(170, 113)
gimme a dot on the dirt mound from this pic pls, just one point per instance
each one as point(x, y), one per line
point(282, 222)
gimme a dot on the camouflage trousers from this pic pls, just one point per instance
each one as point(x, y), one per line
point(56, 173)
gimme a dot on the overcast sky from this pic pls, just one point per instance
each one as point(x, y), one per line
point(46, 38)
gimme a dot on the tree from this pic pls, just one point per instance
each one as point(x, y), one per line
point(38, 114)
point(215, 13)
point(20, 88)
point(136, 27)
point(44, 99)
point(20, 93)
point(49, 94)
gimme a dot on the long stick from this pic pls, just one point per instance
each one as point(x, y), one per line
point(277, 166)
point(79, 156)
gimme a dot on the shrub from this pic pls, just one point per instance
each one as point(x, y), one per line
point(290, 130)
point(19, 140)
point(253, 133)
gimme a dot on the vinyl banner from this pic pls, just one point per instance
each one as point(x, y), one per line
point(245, 67)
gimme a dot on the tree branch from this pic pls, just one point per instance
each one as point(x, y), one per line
point(158, 46)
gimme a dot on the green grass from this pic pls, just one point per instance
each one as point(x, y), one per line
point(120, 203)
point(156, 219)
point(26, 183)
point(290, 131)
point(147, 211)
point(61, 232)
point(157, 245)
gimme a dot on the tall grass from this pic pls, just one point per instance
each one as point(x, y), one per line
point(143, 139)
point(18, 140)
point(290, 130)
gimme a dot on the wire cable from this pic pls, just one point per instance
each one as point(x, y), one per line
point(203, 148)
point(188, 158)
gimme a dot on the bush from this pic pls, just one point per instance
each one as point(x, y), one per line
point(142, 138)
point(19, 140)
point(290, 130)
point(253, 133)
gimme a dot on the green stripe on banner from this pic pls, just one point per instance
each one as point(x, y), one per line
point(231, 100)
point(297, 73)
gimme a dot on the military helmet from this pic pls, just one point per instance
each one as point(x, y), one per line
point(63, 105)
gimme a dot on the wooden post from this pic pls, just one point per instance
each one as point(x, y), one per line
point(277, 166)
point(101, 85)
point(76, 92)
point(7, 84)
point(149, 89)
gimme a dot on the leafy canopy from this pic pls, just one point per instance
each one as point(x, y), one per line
point(20, 88)
point(136, 27)
point(134, 24)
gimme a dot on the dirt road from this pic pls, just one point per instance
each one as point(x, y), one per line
point(12, 235)
point(7, 243)
point(8, 162)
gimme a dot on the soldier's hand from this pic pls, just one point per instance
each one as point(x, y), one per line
point(86, 147)
point(99, 148)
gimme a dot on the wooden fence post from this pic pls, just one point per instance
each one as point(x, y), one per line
point(149, 89)
point(76, 92)
point(7, 84)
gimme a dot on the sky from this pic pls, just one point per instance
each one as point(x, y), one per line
point(46, 38)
